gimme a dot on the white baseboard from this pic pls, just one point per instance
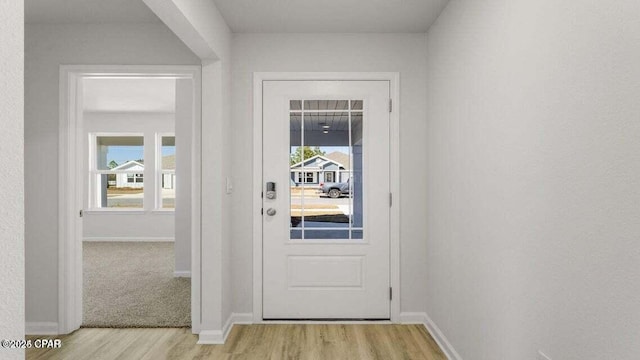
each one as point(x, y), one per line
point(236, 319)
point(219, 337)
point(439, 337)
point(41, 328)
point(128, 239)
point(242, 318)
point(210, 337)
point(413, 318)
point(185, 274)
point(432, 328)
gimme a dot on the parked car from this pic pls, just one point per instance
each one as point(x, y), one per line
point(335, 190)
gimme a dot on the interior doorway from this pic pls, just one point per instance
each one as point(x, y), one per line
point(129, 171)
point(132, 270)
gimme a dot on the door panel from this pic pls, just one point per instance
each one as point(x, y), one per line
point(326, 243)
point(315, 272)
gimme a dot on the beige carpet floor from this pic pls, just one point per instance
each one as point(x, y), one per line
point(129, 284)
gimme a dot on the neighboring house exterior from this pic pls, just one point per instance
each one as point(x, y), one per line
point(333, 167)
point(134, 178)
point(168, 178)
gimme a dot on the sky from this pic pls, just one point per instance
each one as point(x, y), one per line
point(122, 154)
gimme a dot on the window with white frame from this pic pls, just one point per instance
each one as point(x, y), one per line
point(309, 177)
point(135, 178)
point(166, 166)
point(116, 171)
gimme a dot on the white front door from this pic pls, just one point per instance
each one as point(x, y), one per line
point(326, 251)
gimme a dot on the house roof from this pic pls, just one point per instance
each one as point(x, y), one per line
point(128, 164)
point(325, 159)
point(341, 158)
point(168, 163)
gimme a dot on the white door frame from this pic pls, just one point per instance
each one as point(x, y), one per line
point(71, 177)
point(394, 176)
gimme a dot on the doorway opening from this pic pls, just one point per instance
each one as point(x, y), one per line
point(129, 152)
point(130, 249)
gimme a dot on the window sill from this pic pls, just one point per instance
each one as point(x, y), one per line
point(114, 212)
point(163, 211)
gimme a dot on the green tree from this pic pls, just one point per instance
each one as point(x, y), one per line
point(113, 164)
point(309, 152)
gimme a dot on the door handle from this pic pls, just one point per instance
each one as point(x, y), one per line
point(271, 211)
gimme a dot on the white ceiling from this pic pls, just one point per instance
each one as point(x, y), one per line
point(330, 16)
point(87, 11)
point(129, 95)
point(258, 16)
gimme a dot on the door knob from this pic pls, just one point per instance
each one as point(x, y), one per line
point(271, 211)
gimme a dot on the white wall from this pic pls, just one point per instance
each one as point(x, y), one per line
point(120, 226)
point(201, 26)
point(533, 164)
point(404, 53)
point(46, 47)
point(12, 175)
point(184, 140)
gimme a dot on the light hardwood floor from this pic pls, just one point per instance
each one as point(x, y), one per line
point(280, 341)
